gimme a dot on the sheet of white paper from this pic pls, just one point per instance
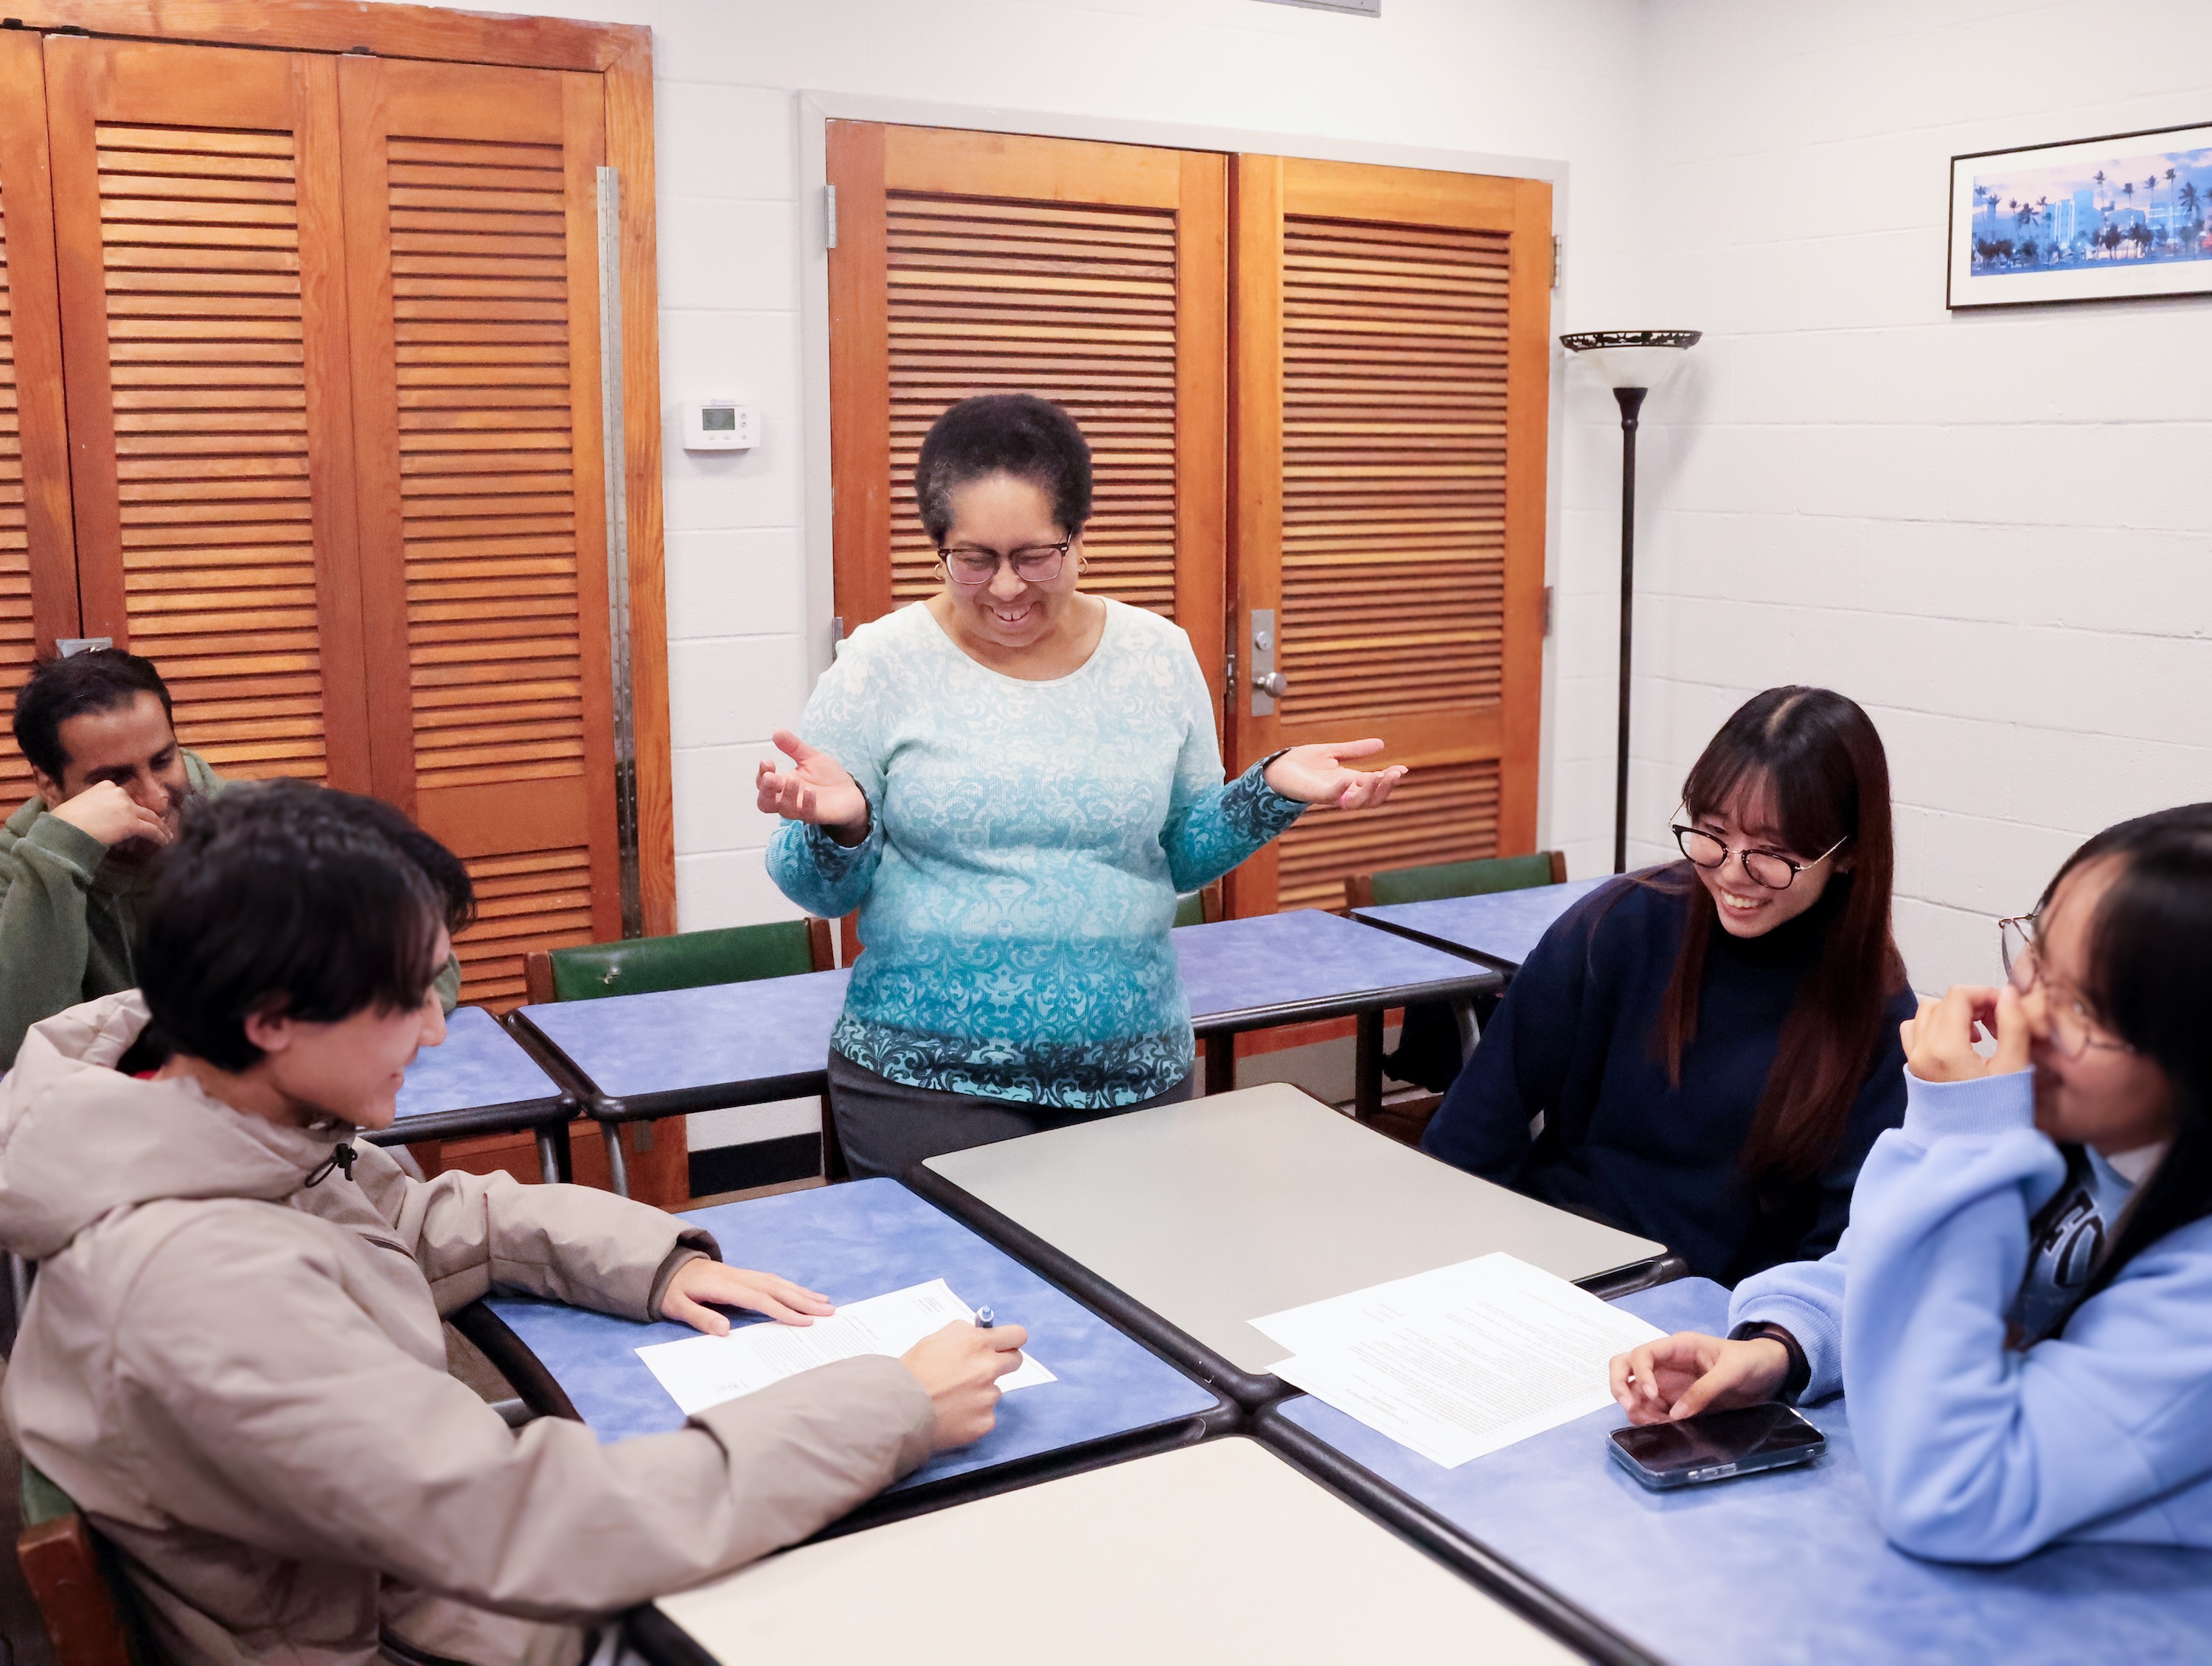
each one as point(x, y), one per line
point(1460, 1361)
point(700, 1371)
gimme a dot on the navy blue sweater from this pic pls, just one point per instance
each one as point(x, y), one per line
point(1573, 1039)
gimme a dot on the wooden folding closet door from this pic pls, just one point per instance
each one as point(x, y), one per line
point(1391, 376)
point(198, 237)
point(472, 232)
point(1092, 274)
point(38, 556)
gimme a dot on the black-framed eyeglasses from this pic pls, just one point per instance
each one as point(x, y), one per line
point(2073, 1028)
point(1767, 868)
point(1033, 564)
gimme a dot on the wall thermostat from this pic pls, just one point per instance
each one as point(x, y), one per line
point(721, 424)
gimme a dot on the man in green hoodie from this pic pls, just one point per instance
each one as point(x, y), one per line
point(112, 782)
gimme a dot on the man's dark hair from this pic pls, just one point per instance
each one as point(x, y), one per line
point(282, 897)
point(103, 680)
point(1004, 433)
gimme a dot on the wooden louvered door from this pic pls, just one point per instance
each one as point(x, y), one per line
point(199, 242)
point(1390, 387)
point(472, 235)
point(1092, 274)
point(38, 560)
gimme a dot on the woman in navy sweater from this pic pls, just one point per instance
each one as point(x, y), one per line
point(1712, 1046)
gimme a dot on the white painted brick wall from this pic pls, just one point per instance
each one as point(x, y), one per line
point(1991, 528)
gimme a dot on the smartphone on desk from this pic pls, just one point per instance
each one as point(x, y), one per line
point(1717, 1445)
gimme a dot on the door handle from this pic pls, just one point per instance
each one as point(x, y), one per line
point(1267, 683)
point(1274, 685)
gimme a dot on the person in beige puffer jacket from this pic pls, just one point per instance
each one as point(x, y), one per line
point(233, 1358)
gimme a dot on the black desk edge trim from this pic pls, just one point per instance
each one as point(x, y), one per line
point(1479, 980)
point(1110, 1302)
point(1503, 967)
point(581, 1088)
point(516, 1117)
point(496, 1340)
point(660, 1640)
point(1467, 1556)
point(1639, 1276)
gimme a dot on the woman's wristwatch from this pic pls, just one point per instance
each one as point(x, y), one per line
point(1796, 1380)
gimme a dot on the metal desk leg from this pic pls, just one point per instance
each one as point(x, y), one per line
point(618, 1172)
point(1367, 1077)
point(1220, 1064)
point(555, 1162)
point(19, 1292)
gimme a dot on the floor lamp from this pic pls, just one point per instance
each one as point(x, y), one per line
point(1632, 362)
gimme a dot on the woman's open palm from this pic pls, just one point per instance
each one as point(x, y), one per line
point(1317, 775)
point(816, 788)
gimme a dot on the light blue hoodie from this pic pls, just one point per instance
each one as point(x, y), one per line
point(1976, 1452)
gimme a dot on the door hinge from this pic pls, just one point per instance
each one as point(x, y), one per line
point(829, 216)
point(1559, 261)
point(1547, 609)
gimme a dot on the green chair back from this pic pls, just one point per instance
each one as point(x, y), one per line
point(43, 1501)
point(641, 966)
point(1463, 879)
point(1190, 910)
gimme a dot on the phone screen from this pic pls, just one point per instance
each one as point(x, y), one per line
point(1718, 1439)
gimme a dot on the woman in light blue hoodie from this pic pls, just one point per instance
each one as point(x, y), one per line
point(2020, 1311)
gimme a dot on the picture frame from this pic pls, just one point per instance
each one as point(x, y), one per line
point(2124, 217)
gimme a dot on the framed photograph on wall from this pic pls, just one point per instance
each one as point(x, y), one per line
point(2111, 219)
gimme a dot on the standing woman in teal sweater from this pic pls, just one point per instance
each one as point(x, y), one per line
point(1011, 781)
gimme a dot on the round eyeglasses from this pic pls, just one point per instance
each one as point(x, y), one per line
point(2073, 1029)
point(1767, 868)
point(1033, 564)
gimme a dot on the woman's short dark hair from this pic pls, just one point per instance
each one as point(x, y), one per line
point(282, 897)
point(1004, 433)
point(103, 680)
point(1816, 757)
point(2148, 980)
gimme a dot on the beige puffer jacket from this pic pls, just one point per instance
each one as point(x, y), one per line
point(243, 1384)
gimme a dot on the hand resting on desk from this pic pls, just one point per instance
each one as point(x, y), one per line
point(1681, 1375)
point(698, 1283)
point(960, 1365)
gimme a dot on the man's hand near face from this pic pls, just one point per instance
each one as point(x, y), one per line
point(105, 811)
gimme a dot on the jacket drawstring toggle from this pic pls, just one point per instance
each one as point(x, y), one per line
point(341, 1157)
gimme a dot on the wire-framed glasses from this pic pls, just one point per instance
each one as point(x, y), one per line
point(1770, 869)
point(1033, 564)
point(2073, 1028)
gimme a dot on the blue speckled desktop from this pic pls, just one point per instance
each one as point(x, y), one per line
point(1785, 1567)
point(732, 1037)
point(1503, 926)
point(862, 1240)
point(478, 1064)
point(721, 1035)
point(1243, 967)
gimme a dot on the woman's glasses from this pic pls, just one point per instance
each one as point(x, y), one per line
point(1033, 564)
point(2074, 1031)
point(1769, 869)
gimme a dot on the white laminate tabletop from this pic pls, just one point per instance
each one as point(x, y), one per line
point(1221, 1210)
point(1209, 1554)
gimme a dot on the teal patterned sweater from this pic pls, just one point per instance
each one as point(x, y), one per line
point(1026, 845)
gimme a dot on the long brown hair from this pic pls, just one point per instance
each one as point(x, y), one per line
point(1814, 756)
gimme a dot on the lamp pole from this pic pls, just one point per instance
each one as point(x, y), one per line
point(1632, 362)
point(1631, 402)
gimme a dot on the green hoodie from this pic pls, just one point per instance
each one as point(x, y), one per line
point(67, 921)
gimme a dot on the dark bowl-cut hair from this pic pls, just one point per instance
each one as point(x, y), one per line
point(2148, 980)
point(102, 679)
point(1816, 758)
point(1004, 433)
point(282, 897)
